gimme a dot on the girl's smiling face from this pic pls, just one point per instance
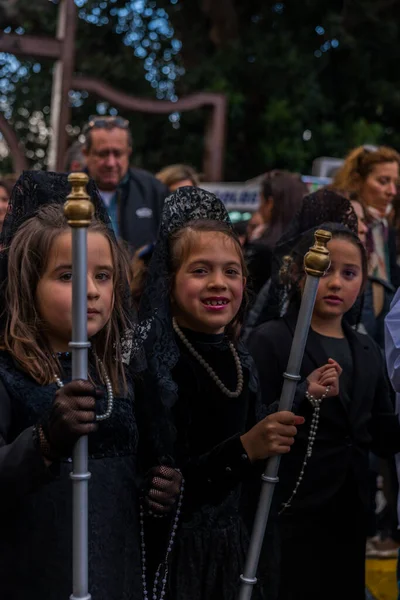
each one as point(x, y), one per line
point(209, 284)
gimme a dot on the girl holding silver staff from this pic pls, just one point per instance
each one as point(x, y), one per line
point(206, 394)
point(322, 495)
point(43, 412)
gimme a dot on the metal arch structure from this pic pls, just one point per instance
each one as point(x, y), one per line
point(61, 50)
point(215, 128)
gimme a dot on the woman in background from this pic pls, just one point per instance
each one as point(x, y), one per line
point(281, 196)
point(176, 176)
point(370, 175)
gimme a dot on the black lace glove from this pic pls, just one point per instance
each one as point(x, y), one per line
point(71, 416)
point(161, 490)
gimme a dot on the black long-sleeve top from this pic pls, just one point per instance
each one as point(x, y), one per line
point(36, 501)
point(206, 426)
point(347, 430)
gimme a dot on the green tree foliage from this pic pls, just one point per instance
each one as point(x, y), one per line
point(303, 79)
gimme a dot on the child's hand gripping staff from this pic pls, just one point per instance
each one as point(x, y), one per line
point(272, 436)
point(316, 263)
point(72, 416)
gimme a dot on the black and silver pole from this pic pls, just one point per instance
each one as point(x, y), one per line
point(79, 211)
point(316, 262)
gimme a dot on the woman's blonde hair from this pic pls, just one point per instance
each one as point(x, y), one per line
point(358, 164)
point(24, 334)
point(175, 173)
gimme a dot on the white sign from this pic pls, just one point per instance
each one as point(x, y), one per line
point(235, 196)
point(246, 196)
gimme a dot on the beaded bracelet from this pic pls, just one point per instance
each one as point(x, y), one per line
point(317, 401)
point(316, 404)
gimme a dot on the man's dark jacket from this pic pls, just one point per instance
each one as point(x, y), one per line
point(140, 199)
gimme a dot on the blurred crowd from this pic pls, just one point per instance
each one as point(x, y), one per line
point(368, 180)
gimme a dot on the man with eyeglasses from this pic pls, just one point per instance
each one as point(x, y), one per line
point(134, 198)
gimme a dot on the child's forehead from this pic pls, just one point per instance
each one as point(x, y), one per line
point(207, 241)
point(61, 248)
point(62, 242)
point(342, 250)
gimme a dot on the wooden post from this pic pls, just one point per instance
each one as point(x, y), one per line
point(214, 140)
point(16, 149)
point(62, 77)
point(62, 49)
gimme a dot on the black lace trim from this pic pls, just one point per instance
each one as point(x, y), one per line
point(186, 204)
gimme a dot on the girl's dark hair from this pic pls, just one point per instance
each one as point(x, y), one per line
point(24, 335)
point(294, 273)
point(139, 267)
point(287, 192)
point(7, 184)
point(180, 245)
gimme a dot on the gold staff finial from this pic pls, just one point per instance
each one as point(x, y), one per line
point(317, 261)
point(78, 208)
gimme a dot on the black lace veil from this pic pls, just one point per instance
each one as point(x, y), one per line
point(155, 317)
point(322, 206)
point(32, 191)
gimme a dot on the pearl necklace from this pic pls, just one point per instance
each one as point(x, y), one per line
point(316, 404)
point(110, 393)
point(209, 369)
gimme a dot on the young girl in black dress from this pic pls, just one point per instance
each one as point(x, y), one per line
point(43, 412)
point(323, 491)
point(207, 388)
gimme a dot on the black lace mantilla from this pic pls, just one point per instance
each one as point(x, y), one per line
point(184, 205)
point(324, 206)
point(35, 189)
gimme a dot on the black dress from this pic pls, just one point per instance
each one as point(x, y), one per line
point(35, 501)
point(323, 532)
point(212, 538)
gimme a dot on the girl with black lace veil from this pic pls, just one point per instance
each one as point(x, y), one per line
point(323, 493)
point(43, 412)
point(322, 206)
point(205, 394)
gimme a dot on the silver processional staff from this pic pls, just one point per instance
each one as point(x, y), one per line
point(79, 210)
point(316, 263)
